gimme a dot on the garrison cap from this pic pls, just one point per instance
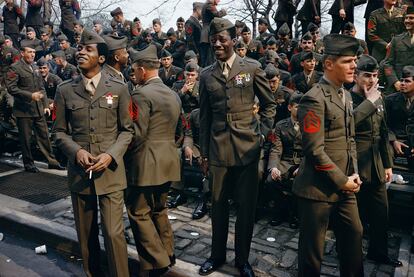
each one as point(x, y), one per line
point(191, 67)
point(116, 11)
point(190, 54)
point(349, 26)
point(165, 53)
point(245, 29)
point(2, 39)
point(295, 98)
point(239, 24)
point(312, 27)
point(408, 71)
point(147, 54)
point(306, 55)
point(115, 42)
point(197, 5)
point(340, 45)
point(307, 36)
point(44, 30)
point(59, 54)
point(29, 29)
point(180, 19)
point(218, 25)
point(62, 37)
point(271, 41)
point(263, 20)
point(367, 63)
point(7, 37)
point(29, 44)
point(42, 62)
point(410, 10)
point(240, 44)
point(97, 21)
point(284, 30)
point(90, 37)
point(136, 19)
point(271, 56)
point(170, 32)
point(78, 22)
point(271, 71)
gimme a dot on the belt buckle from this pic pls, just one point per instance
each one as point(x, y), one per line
point(93, 138)
point(228, 117)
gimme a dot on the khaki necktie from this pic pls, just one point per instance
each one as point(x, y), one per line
point(296, 126)
point(308, 79)
point(412, 39)
point(341, 93)
point(408, 103)
point(226, 70)
point(90, 88)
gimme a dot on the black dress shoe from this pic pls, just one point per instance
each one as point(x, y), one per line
point(56, 166)
point(385, 260)
point(31, 169)
point(210, 266)
point(172, 260)
point(176, 200)
point(246, 270)
point(276, 221)
point(200, 210)
point(294, 223)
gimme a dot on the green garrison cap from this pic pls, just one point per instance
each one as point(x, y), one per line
point(367, 63)
point(115, 42)
point(90, 37)
point(218, 25)
point(340, 45)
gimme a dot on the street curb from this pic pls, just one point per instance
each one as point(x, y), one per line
point(64, 238)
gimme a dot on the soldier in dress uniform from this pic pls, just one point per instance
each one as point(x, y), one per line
point(350, 30)
point(188, 89)
point(98, 26)
point(262, 27)
point(327, 179)
point(158, 35)
point(117, 57)
point(70, 12)
point(176, 47)
point(304, 80)
point(254, 47)
point(154, 164)
point(286, 10)
point(95, 107)
point(374, 158)
point(310, 12)
point(169, 73)
point(64, 70)
point(383, 25)
point(208, 13)
point(69, 51)
point(230, 140)
point(401, 52)
point(12, 28)
point(50, 80)
point(34, 18)
point(306, 45)
point(285, 43)
point(180, 32)
point(31, 38)
point(400, 116)
point(284, 157)
point(30, 105)
point(193, 28)
point(47, 43)
point(123, 27)
point(342, 12)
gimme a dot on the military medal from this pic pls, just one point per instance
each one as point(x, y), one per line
point(239, 80)
point(109, 99)
point(247, 77)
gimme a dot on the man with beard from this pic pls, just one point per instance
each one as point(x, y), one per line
point(327, 179)
point(117, 56)
point(374, 158)
point(230, 140)
point(154, 164)
point(401, 52)
point(95, 107)
point(306, 45)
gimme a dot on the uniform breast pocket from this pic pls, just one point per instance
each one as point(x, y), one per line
point(108, 111)
point(244, 90)
point(78, 111)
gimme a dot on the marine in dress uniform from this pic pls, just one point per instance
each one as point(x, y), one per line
point(310, 12)
point(327, 178)
point(342, 11)
point(70, 12)
point(193, 28)
point(123, 27)
point(117, 57)
point(304, 80)
point(401, 52)
point(64, 70)
point(286, 10)
point(95, 106)
point(154, 164)
point(12, 28)
point(230, 140)
point(169, 73)
point(50, 80)
point(383, 25)
point(34, 18)
point(374, 158)
point(25, 84)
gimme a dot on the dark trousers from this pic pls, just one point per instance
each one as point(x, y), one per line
point(70, 34)
point(85, 210)
point(206, 55)
point(314, 220)
point(242, 183)
point(25, 126)
point(154, 238)
point(337, 24)
point(373, 208)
